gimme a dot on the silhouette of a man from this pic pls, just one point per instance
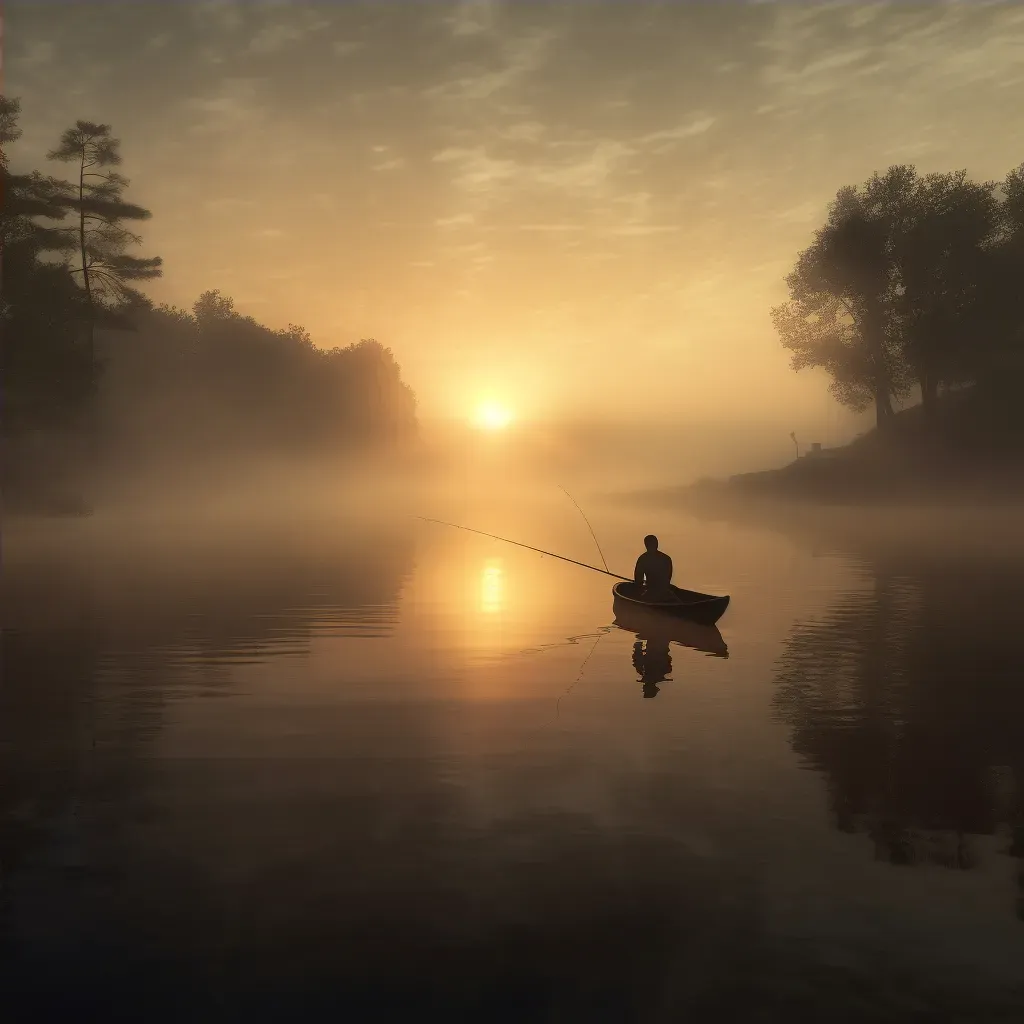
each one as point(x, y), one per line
point(653, 570)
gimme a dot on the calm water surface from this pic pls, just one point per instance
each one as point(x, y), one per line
point(342, 771)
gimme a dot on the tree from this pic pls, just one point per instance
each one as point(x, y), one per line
point(1006, 284)
point(212, 372)
point(47, 374)
point(841, 312)
point(911, 281)
point(944, 260)
point(102, 239)
point(27, 197)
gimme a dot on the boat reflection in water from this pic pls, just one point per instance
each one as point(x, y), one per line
point(655, 632)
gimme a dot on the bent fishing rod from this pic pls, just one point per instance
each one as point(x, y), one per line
point(604, 561)
point(529, 547)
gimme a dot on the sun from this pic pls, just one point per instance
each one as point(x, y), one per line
point(492, 416)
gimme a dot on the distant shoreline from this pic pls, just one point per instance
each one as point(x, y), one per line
point(900, 530)
point(969, 455)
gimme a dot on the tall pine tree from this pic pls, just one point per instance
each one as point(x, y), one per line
point(97, 197)
point(48, 376)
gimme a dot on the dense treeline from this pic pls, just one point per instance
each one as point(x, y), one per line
point(183, 378)
point(86, 354)
point(914, 283)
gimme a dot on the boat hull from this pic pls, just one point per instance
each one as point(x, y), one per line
point(687, 604)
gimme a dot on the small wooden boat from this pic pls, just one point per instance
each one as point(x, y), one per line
point(684, 604)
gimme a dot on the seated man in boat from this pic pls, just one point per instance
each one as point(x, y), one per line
point(653, 572)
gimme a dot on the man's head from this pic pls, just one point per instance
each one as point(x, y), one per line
point(651, 542)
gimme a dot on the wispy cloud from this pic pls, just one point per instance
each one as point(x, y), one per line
point(474, 170)
point(459, 220)
point(225, 204)
point(230, 105)
point(551, 228)
point(346, 47)
point(519, 56)
point(277, 35)
point(473, 17)
point(39, 53)
point(687, 130)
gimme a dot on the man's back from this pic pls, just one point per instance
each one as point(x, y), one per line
point(654, 569)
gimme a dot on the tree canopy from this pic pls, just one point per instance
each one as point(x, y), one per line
point(912, 282)
point(210, 378)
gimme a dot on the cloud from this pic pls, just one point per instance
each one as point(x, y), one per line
point(37, 54)
point(808, 212)
point(890, 50)
point(640, 230)
point(519, 57)
point(459, 220)
point(272, 38)
point(225, 204)
point(553, 227)
point(589, 172)
point(474, 169)
point(522, 131)
point(346, 47)
point(218, 15)
point(472, 18)
point(231, 106)
point(586, 174)
point(687, 130)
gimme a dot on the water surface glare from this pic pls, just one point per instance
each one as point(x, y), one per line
point(273, 774)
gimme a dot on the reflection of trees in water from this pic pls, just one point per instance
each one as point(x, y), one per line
point(908, 698)
point(93, 648)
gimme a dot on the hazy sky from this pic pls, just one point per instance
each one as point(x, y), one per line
point(563, 205)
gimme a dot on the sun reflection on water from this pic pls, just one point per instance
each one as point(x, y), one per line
point(492, 587)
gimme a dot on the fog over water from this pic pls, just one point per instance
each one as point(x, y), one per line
point(374, 761)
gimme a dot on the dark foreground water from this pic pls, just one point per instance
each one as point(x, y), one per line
point(351, 771)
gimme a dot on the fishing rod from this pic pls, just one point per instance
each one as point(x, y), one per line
point(589, 527)
point(529, 547)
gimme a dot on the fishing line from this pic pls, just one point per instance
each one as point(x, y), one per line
point(589, 527)
point(558, 703)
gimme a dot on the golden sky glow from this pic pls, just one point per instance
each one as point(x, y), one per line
point(492, 416)
point(591, 207)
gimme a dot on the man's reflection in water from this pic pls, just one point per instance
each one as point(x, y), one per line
point(653, 662)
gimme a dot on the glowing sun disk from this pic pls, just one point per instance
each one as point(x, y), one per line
point(492, 416)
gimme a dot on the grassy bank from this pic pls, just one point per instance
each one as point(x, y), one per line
point(970, 452)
